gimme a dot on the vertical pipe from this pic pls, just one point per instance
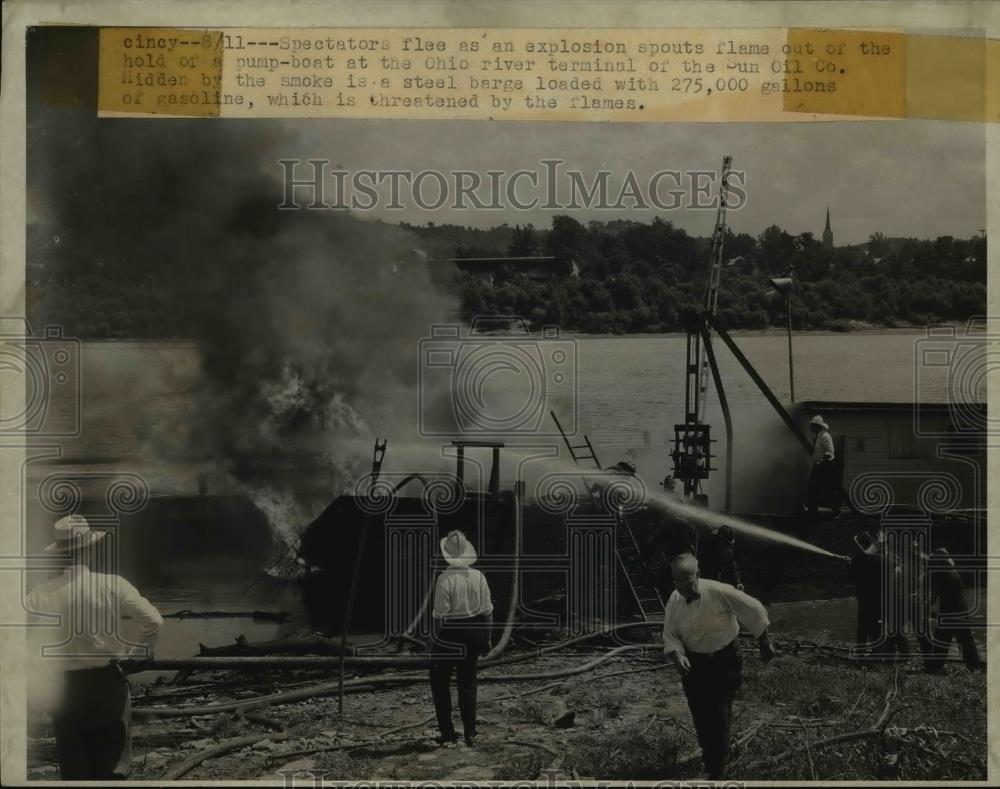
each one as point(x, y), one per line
point(350, 610)
point(495, 473)
point(726, 417)
point(377, 456)
point(791, 367)
point(512, 606)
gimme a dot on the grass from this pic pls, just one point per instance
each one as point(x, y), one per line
point(637, 726)
point(632, 753)
point(938, 732)
point(515, 768)
point(529, 711)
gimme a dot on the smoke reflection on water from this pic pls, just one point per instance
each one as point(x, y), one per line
point(180, 638)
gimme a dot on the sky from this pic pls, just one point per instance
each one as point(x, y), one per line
point(922, 178)
point(901, 178)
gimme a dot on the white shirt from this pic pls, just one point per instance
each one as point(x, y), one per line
point(78, 620)
point(710, 622)
point(461, 592)
point(823, 447)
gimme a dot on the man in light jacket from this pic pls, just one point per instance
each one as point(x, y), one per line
point(701, 625)
point(463, 620)
point(81, 652)
point(823, 479)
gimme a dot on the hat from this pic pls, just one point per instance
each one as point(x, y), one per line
point(457, 550)
point(73, 533)
point(818, 420)
point(941, 556)
point(869, 545)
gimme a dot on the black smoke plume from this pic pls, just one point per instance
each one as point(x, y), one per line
point(306, 322)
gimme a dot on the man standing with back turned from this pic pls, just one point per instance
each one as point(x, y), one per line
point(701, 625)
point(81, 656)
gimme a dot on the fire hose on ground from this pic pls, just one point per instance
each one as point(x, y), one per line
point(365, 683)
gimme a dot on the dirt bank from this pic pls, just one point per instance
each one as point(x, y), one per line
point(626, 718)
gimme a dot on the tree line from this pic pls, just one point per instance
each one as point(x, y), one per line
point(650, 277)
point(629, 277)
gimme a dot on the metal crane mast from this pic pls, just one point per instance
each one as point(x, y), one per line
point(692, 442)
point(711, 301)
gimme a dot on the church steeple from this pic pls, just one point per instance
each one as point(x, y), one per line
point(827, 232)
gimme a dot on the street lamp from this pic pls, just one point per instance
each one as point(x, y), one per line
point(784, 286)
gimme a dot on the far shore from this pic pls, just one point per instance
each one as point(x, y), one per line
point(770, 331)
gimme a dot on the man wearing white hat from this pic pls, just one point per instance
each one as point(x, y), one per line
point(90, 702)
point(823, 477)
point(463, 619)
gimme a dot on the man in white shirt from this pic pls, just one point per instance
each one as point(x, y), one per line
point(822, 480)
point(463, 619)
point(701, 625)
point(85, 688)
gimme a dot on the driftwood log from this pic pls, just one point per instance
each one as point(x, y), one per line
point(382, 680)
point(293, 645)
point(266, 616)
point(268, 662)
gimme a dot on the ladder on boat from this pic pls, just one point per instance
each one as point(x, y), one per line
point(647, 597)
point(590, 454)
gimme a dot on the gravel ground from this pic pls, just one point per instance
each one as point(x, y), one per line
point(627, 718)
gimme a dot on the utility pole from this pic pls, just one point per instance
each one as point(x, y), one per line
point(784, 286)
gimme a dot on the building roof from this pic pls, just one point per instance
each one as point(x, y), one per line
point(861, 405)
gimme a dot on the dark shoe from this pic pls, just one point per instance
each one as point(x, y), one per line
point(470, 741)
point(444, 739)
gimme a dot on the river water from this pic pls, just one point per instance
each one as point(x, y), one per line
point(629, 394)
point(627, 387)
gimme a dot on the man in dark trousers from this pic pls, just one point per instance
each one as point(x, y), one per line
point(953, 609)
point(866, 569)
point(701, 626)
point(823, 483)
point(80, 664)
point(915, 593)
point(895, 604)
point(670, 537)
point(463, 622)
point(717, 557)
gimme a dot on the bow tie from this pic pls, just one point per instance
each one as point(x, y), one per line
point(692, 599)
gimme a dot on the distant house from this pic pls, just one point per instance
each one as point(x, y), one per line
point(535, 267)
point(921, 454)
